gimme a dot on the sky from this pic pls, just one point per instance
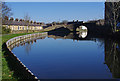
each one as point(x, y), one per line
point(58, 11)
point(55, 0)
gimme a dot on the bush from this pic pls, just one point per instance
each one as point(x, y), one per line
point(5, 30)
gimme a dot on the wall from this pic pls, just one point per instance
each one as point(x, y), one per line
point(24, 29)
point(16, 41)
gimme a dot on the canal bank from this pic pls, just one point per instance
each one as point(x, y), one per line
point(8, 65)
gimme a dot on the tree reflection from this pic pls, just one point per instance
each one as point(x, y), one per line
point(112, 49)
point(28, 47)
point(112, 57)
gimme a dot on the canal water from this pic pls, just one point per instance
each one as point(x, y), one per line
point(71, 57)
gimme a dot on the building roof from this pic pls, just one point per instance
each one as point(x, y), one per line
point(21, 23)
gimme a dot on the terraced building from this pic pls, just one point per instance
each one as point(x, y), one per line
point(21, 26)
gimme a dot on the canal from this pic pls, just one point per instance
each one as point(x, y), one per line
point(71, 56)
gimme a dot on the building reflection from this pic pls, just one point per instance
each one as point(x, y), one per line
point(112, 57)
point(27, 41)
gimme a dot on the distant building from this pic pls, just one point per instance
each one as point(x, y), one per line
point(22, 25)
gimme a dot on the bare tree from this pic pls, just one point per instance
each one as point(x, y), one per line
point(6, 18)
point(115, 14)
point(27, 20)
point(112, 14)
point(6, 11)
point(26, 17)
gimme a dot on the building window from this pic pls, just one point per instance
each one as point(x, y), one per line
point(40, 28)
point(18, 28)
point(27, 27)
point(23, 27)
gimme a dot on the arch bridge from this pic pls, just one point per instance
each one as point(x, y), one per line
point(72, 27)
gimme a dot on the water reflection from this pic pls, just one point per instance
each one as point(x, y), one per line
point(112, 56)
point(82, 34)
point(28, 46)
point(27, 41)
point(111, 53)
point(111, 47)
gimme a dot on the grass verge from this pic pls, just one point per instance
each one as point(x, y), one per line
point(7, 72)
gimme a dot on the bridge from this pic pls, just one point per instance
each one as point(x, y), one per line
point(92, 27)
point(71, 26)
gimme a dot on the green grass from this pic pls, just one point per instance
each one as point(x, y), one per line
point(7, 73)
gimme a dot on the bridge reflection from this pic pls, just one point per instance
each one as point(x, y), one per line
point(64, 33)
point(75, 36)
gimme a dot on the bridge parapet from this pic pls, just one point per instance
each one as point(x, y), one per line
point(71, 27)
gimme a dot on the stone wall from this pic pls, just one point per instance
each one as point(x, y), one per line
point(16, 41)
point(25, 31)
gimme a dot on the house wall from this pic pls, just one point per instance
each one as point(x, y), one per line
point(23, 29)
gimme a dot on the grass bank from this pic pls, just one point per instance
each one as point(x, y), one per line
point(8, 68)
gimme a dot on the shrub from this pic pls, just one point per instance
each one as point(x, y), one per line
point(5, 30)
